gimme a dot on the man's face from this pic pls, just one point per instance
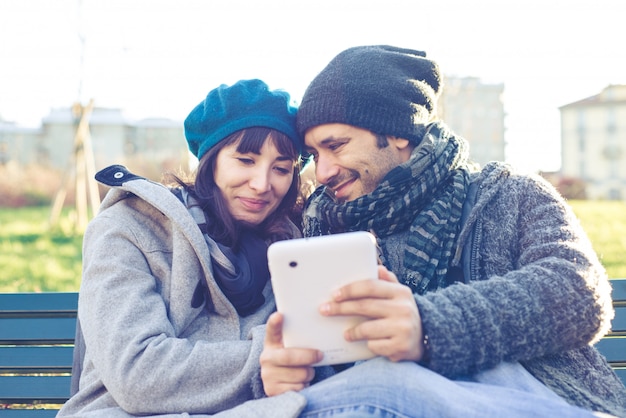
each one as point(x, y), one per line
point(349, 161)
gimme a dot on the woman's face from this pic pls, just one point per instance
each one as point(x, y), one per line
point(253, 185)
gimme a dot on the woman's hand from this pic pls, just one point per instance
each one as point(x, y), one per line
point(284, 369)
point(394, 328)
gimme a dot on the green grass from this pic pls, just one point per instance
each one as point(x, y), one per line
point(35, 257)
point(605, 224)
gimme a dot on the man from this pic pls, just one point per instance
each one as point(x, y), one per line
point(493, 270)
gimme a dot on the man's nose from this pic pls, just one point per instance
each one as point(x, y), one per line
point(325, 169)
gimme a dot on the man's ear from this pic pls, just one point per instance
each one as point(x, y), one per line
point(404, 147)
point(399, 143)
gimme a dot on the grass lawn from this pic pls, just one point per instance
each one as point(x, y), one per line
point(605, 223)
point(35, 257)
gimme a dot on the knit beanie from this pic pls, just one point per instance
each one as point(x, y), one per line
point(384, 89)
point(245, 104)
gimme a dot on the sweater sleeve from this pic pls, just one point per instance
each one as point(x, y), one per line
point(149, 347)
point(539, 290)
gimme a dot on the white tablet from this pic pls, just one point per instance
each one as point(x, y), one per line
point(304, 274)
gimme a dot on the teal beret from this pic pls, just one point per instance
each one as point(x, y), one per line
point(245, 104)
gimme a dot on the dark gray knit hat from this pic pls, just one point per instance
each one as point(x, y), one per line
point(384, 89)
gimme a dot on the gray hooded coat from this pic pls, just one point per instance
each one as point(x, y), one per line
point(148, 350)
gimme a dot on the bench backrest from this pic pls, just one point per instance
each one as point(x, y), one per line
point(36, 343)
point(37, 336)
point(613, 346)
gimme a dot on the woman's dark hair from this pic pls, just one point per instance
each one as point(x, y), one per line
point(222, 227)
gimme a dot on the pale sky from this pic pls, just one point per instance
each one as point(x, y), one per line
point(159, 58)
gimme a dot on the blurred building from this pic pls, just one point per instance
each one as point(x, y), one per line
point(475, 111)
point(155, 143)
point(471, 108)
point(593, 143)
point(16, 141)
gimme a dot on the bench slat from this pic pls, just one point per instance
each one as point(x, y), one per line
point(618, 325)
point(613, 348)
point(619, 289)
point(29, 413)
point(38, 302)
point(37, 330)
point(36, 359)
point(621, 373)
point(26, 389)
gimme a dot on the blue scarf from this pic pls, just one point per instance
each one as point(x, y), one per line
point(241, 274)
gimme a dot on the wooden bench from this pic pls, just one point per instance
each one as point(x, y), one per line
point(613, 345)
point(36, 344)
point(37, 335)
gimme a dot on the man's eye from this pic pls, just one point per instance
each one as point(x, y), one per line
point(335, 146)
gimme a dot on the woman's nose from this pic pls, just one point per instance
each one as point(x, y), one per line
point(260, 181)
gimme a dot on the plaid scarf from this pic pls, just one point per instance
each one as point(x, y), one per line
point(425, 196)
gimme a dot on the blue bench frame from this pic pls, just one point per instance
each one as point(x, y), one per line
point(613, 345)
point(37, 336)
point(36, 345)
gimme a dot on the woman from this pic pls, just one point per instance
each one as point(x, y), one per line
point(175, 287)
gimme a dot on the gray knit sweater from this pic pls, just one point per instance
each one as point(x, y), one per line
point(535, 293)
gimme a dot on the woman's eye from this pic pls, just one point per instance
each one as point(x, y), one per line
point(246, 161)
point(283, 170)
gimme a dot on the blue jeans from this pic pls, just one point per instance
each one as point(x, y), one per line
point(381, 388)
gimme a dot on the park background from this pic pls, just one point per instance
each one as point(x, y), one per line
point(36, 258)
point(158, 58)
